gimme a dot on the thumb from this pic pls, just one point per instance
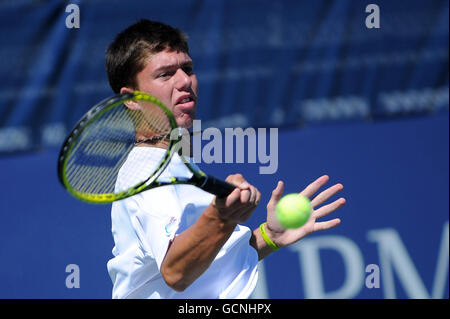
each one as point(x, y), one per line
point(277, 193)
point(228, 201)
point(233, 197)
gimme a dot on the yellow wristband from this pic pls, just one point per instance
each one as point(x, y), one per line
point(267, 238)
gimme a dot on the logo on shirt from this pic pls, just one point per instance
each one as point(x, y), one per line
point(170, 227)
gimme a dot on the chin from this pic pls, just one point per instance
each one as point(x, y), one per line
point(186, 124)
point(185, 121)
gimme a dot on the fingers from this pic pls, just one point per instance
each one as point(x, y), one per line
point(327, 209)
point(235, 179)
point(258, 198)
point(326, 225)
point(233, 197)
point(253, 194)
point(248, 193)
point(249, 199)
point(320, 199)
point(326, 194)
point(312, 188)
point(239, 205)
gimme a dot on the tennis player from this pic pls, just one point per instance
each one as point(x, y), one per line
point(179, 241)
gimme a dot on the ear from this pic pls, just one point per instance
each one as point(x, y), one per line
point(132, 105)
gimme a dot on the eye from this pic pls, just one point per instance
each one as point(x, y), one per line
point(188, 69)
point(165, 74)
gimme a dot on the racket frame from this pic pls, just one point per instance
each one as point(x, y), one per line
point(199, 178)
point(94, 113)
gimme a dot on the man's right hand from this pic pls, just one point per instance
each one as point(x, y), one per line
point(240, 204)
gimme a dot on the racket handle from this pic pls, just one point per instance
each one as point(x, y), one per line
point(217, 187)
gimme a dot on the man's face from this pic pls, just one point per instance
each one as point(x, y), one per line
point(169, 77)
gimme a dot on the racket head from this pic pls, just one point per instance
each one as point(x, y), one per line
point(94, 152)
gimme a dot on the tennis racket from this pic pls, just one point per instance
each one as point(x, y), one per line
point(93, 157)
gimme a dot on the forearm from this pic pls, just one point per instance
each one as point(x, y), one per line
point(192, 251)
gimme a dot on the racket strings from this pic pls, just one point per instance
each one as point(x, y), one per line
point(98, 141)
point(153, 131)
point(102, 148)
point(155, 121)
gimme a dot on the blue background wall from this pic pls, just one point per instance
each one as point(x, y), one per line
point(368, 107)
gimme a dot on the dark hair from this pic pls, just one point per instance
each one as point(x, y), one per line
point(127, 54)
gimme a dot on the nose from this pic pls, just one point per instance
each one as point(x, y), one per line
point(183, 81)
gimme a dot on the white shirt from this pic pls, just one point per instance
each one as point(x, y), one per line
point(143, 226)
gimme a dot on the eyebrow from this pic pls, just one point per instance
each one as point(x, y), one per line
point(173, 66)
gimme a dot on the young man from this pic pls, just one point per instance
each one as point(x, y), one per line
point(179, 241)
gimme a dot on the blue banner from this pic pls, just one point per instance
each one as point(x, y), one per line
point(392, 241)
point(259, 63)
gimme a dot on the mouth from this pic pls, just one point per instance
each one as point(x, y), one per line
point(185, 103)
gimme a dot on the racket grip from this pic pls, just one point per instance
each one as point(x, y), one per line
point(217, 187)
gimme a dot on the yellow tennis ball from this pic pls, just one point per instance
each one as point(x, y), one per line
point(293, 210)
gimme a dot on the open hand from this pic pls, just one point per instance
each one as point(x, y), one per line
point(284, 237)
